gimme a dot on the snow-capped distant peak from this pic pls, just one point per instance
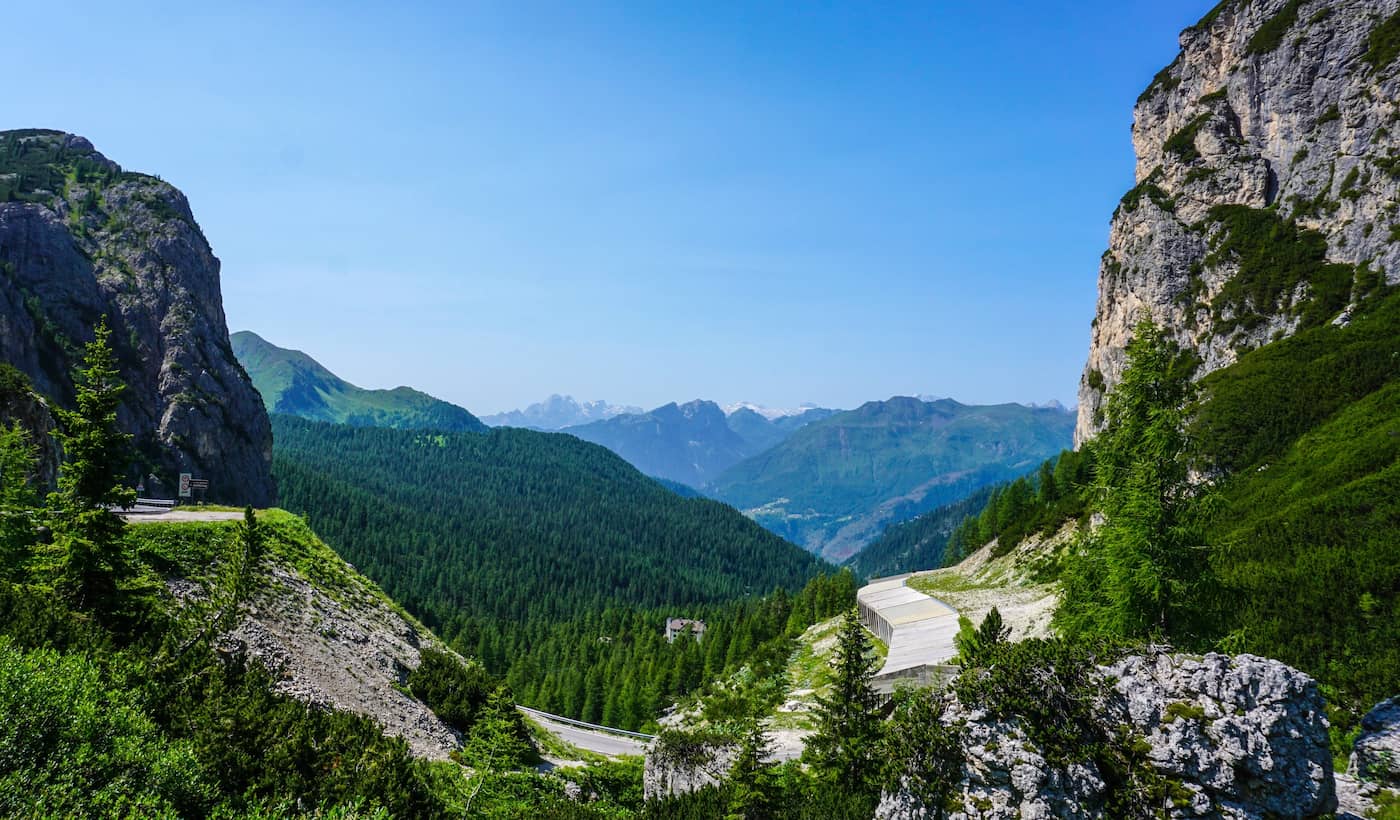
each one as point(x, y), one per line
point(769, 413)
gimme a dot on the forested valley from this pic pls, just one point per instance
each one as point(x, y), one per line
point(552, 560)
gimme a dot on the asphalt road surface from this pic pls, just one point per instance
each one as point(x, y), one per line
point(139, 516)
point(592, 740)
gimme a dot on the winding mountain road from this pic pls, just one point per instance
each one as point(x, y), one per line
point(590, 737)
point(918, 629)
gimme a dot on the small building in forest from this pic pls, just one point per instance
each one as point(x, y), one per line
point(680, 626)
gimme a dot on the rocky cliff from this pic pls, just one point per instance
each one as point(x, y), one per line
point(81, 239)
point(1268, 171)
point(1242, 738)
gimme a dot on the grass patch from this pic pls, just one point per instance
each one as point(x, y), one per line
point(1184, 710)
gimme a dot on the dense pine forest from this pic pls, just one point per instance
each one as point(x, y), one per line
point(551, 559)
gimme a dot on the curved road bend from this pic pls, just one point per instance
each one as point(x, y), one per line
point(918, 629)
point(590, 737)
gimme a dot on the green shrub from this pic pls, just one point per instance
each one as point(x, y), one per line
point(1270, 34)
point(1183, 142)
point(453, 689)
point(1383, 43)
point(1274, 256)
point(74, 745)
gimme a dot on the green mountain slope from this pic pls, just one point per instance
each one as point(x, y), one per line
point(161, 707)
point(835, 483)
point(292, 382)
point(516, 523)
point(1305, 436)
point(920, 542)
point(525, 548)
point(1301, 442)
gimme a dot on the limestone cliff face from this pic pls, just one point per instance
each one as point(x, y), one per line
point(79, 239)
point(1268, 170)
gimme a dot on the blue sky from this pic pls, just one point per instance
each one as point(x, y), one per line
point(643, 202)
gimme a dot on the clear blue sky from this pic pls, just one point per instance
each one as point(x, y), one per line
point(643, 202)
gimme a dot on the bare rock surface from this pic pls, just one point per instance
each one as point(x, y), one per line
point(1270, 104)
point(1376, 755)
point(82, 239)
point(1242, 738)
point(351, 651)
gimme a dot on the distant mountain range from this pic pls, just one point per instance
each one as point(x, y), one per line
point(834, 484)
point(558, 412)
point(829, 480)
point(295, 384)
point(692, 443)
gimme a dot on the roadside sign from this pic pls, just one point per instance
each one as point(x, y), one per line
point(199, 484)
point(185, 480)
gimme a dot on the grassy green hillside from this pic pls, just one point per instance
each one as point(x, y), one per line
point(131, 711)
point(292, 382)
point(835, 483)
point(524, 548)
point(1305, 436)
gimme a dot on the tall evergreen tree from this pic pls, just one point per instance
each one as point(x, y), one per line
point(498, 739)
point(17, 497)
point(91, 481)
point(751, 777)
point(845, 747)
point(1143, 572)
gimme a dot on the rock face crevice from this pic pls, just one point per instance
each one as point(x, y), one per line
point(81, 239)
point(1268, 171)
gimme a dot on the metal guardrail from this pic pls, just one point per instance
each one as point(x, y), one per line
point(583, 724)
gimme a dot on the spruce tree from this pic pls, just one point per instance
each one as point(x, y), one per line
point(17, 496)
point(845, 747)
point(251, 538)
point(975, 645)
point(1142, 574)
point(91, 480)
point(498, 740)
point(751, 777)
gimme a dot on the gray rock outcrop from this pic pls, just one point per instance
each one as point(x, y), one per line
point(680, 763)
point(19, 404)
point(1234, 737)
point(81, 239)
point(1287, 110)
point(1376, 755)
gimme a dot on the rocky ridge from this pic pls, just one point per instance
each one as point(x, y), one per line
point(1268, 171)
point(80, 239)
point(1237, 737)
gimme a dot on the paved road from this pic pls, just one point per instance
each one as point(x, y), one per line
point(611, 743)
point(918, 629)
point(140, 516)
